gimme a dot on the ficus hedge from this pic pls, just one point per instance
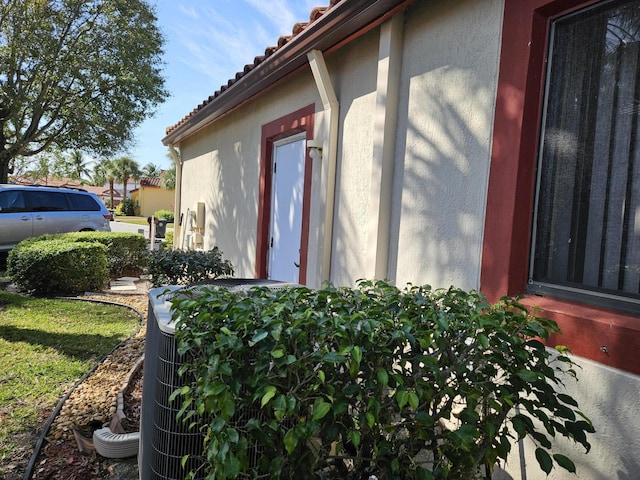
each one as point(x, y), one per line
point(58, 266)
point(347, 383)
point(126, 253)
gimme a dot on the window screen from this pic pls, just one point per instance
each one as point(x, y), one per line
point(587, 219)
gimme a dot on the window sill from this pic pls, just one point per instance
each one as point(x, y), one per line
point(601, 335)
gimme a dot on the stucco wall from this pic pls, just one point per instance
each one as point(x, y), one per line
point(449, 83)
point(609, 397)
point(353, 71)
point(152, 199)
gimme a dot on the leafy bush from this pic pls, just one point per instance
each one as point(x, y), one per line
point(183, 267)
point(126, 253)
point(343, 383)
point(166, 214)
point(57, 266)
point(168, 240)
point(126, 207)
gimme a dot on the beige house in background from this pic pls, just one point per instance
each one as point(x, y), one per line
point(149, 197)
point(486, 144)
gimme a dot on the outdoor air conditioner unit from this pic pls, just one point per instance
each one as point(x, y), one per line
point(165, 440)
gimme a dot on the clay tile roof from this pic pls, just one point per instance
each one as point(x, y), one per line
point(150, 181)
point(299, 27)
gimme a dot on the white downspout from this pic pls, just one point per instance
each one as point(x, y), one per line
point(175, 155)
point(384, 143)
point(332, 110)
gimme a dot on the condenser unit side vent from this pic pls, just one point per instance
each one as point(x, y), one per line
point(164, 439)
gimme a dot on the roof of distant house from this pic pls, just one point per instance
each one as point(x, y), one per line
point(50, 181)
point(150, 181)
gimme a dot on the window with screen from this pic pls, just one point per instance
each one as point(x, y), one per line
point(586, 241)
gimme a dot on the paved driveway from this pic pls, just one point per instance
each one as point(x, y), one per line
point(129, 228)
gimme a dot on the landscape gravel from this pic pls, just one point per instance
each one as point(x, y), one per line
point(93, 403)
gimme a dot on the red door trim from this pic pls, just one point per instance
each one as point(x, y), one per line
point(296, 122)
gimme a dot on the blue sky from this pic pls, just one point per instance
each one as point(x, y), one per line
point(207, 42)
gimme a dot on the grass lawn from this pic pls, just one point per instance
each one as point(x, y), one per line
point(46, 345)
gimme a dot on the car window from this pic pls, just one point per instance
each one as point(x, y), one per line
point(41, 201)
point(12, 201)
point(83, 203)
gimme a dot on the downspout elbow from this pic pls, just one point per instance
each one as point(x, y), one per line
point(332, 109)
point(177, 160)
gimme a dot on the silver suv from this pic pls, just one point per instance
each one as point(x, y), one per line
point(29, 211)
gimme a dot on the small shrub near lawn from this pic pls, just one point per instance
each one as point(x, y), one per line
point(166, 214)
point(126, 253)
point(184, 267)
point(347, 383)
point(58, 266)
point(126, 207)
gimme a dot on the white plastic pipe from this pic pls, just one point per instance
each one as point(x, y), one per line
point(332, 110)
point(175, 155)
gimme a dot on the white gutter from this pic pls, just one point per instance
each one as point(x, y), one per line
point(330, 145)
point(175, 155)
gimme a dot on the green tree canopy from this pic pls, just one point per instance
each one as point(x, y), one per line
point(76, 75)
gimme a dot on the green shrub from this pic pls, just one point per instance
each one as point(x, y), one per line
point(166, 214)
point(184, 267)
point(126, 253)
point(58, 266)
point(126, 207)
point(168, 240)
point(343, 383)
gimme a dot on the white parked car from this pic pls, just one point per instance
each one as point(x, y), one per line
point(31, 210)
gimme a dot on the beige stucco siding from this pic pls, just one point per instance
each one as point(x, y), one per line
point(353, 71)
point(449, 83)
point(609, 397)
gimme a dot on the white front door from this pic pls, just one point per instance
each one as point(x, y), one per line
point(286, 209)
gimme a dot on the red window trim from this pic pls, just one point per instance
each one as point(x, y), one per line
point(507, 233)
point(296, 122)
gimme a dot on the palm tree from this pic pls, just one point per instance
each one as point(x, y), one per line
point(151, 170)
point(42, 169)
point(108, 170)
point(168, 179)
point(77, 166)
point(99, 175)
point(124, 169)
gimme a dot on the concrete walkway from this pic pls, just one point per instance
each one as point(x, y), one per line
point(130, 285)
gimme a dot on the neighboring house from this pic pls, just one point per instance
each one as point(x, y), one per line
point(486, 144)
point(149, 197)
point(104, 194)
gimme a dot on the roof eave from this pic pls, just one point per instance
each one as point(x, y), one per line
point(336, 25)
